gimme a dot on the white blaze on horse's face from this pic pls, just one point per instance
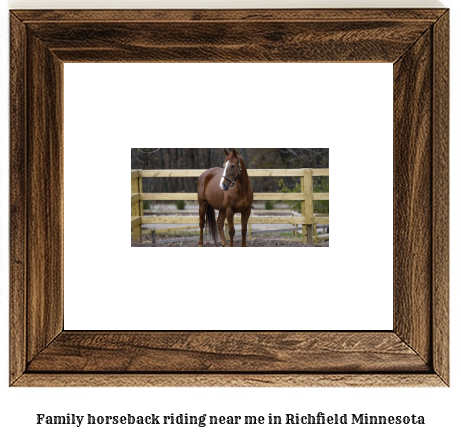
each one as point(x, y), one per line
point(221, 185)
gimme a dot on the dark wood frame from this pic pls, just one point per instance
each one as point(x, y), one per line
point(414, 353)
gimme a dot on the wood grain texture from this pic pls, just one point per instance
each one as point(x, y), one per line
point(441, 196)
point(415, 354)
point(229, 35)
point(230, 380)
point(413, 196)
point(18, 192)
point(45, 197)
point(249, 41)
point(182, 15)
point(236, 352)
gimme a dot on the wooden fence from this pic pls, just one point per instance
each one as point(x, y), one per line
point(308, 220)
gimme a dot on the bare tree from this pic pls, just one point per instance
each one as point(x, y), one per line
point(308, 157)
point(148, 150)
point(204, 158)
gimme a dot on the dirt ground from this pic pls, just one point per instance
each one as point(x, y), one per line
point(262, 242)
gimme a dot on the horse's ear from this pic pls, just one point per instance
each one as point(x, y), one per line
point(226, 152)
point(235, 152)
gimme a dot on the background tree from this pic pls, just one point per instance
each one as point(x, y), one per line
point(255, 158)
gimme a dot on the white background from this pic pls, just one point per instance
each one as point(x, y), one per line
point(440, 406)
point(346, 107)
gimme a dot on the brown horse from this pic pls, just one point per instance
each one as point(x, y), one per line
point(229, 191)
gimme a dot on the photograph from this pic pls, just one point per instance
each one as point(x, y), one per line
point(246, 197)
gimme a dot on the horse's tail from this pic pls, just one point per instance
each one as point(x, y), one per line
point(211, 223)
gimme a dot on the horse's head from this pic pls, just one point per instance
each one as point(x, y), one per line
point(232, 169)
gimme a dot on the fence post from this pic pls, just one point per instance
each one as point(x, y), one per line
point(294, 233)
point(136, 208)
point(308, 205)
point(141, 202)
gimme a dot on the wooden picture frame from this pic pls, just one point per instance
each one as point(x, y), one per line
point(414, 353)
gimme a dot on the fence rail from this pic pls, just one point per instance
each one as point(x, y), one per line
point(193, 196)
point(308, 220)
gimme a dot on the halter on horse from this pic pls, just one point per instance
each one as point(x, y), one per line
point(234, 179)
point(235, 196)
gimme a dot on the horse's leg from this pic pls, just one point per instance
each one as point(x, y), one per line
point(203, 205)
point(245, 216)
point(230, 221)
point(221, 218)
